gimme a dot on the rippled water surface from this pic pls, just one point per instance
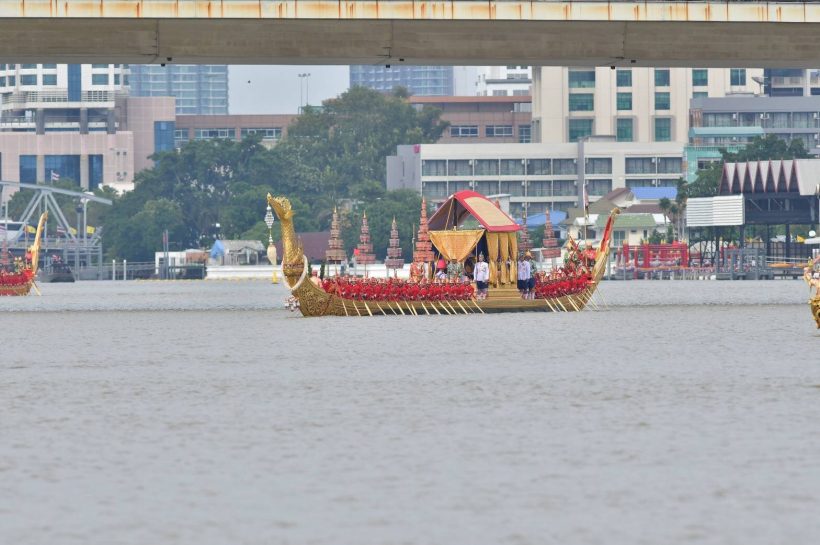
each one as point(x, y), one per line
point(203, 413)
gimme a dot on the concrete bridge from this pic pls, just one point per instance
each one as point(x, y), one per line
point(461, 32)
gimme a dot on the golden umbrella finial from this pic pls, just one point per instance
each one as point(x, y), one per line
point(269, 219)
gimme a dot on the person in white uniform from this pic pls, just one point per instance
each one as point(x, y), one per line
point(481, 274)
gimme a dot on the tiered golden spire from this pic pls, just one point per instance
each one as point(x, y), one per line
point(549, 244)
point(394, 259)
point(424, 248)
point(365, 255)
point(524, 245)
point(335, 252)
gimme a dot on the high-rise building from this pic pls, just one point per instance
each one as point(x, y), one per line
point(71, 122)
point(419, 80)
point(199, 89)
point(503, 81)
point(632, 104)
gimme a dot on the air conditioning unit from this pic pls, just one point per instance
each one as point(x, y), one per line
point(734, 116)
point(815, 115)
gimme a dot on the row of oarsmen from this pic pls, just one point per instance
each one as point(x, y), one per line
point(393, 289)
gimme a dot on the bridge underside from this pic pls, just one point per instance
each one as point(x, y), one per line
point(435, 42)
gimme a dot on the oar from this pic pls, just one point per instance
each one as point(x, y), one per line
point(36, 289)
point(425, 308)
point(477, 306)
point(462, 306)
point(367, 307)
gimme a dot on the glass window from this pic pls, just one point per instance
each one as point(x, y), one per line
point(599, 187)
point(49, 79)
point(624, 101)
point(700, 77)
point(539, 167)
point(28, 169)
point(719, 120)
point(49, 67)
point(802, 120)
point(749, 119)
point(581, 102)
point(67, 167)
point(581, 79)
point(11, 81)
point(487, 187)
point(516, 188)
point(498, 130)
point(578, 128)
point(625, 130)
point(116, 79)
point(486, 167)
point(662, 101)
point(700, 94)
point(599, 166)
point(164, 135)
point(273, 133)
point(28, 66)
point(207, 134)
point(2, 81)
point(435, 190)
point(99, 66)
point(512, 167)
point(524, 134)
point(459, 168)
point(563, 188)
point(564, 167)
point(661, 77)
point(539, 189)
point(640, 183)
point(28, 80)
point(95, 171)
point(436, 167)
point(463, 131)
point(460, 185)
point(737, 76)
point(624, 78)
point(99, 79)
point(640, 165)
point(663, 129)
point(670, 165)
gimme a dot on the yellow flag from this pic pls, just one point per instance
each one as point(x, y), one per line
point(90, 230)
point(31, 229)
point(73, 231)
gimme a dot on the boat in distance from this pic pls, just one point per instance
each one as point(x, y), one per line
point(811, 274)
point(18, 278)
point(569, 290)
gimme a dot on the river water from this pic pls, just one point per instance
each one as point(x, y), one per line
point(204, 413)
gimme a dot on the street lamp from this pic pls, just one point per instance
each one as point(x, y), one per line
point(304, 77)
point(269, 219)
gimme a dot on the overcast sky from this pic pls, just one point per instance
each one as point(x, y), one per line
point(280, 90)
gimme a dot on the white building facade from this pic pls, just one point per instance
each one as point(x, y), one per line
point(537, 177)
point(645, 105)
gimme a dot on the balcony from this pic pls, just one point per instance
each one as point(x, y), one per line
point(59, 97)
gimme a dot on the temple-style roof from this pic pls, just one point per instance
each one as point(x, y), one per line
point(464, 204)
point(798, 176)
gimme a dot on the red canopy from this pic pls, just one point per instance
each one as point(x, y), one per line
point(459, 206)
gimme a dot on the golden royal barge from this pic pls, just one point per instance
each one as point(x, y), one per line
point(811, 274)
point(570, 289)
point(20, 279)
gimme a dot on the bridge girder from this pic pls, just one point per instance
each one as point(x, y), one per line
point(729, 34)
